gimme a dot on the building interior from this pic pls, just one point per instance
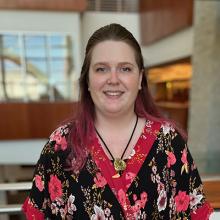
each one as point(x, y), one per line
point(42, 45)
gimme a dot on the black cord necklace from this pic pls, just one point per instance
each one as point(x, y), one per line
point(119, 163)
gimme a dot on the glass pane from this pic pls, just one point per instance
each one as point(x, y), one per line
point(58, 65)
point(37, 91)
point(10, 41)
point(11, 66)
point(15, 88)
point(61, 91)
point(36, 52)
point(59, 52)
point(11, 45)
point(37, 66)
point(2, 97)
point(1, 70)
point(34, 41)
point(57, 40)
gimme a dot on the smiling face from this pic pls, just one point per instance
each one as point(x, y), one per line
point(114, 78)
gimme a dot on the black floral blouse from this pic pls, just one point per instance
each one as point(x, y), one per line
point(161, 181)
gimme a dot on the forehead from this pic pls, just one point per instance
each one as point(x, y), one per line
point(113, 51)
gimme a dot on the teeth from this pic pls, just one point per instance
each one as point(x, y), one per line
point(113, 93)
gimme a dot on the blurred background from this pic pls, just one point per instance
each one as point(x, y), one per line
point(41, 50)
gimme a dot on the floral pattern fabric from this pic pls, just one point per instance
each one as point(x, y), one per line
point(160, 181)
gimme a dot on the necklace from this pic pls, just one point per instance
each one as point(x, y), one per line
point(119, 163)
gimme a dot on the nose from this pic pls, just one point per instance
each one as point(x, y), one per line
point(113, 78)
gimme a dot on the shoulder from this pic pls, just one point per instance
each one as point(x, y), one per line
point(169, 130)
point(59, 137)
point(57, 147)
point(164, 129)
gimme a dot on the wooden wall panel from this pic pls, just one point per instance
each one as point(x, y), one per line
point(163, 17)
point(57, 5)
point(32, 120)
point(13, 121)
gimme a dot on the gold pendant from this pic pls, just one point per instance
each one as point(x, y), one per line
point(119, 165)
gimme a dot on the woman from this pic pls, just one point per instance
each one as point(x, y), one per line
point(117, 159)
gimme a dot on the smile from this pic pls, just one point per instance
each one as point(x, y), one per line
point(113, 93)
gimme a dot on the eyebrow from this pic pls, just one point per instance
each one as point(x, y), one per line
point(106, 63)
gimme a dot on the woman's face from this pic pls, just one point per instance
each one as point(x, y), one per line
point(114, 78)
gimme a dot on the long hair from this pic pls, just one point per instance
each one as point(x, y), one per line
point(83, 127)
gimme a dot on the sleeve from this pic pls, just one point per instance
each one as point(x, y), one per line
point(46, 196)
point(34, 206)
point(189, 191)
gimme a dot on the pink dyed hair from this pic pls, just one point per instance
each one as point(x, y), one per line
point(82, 124)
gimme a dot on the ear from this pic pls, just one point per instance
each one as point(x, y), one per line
point(140, 79)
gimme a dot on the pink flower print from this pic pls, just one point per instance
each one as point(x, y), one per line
point(184, 157)
point(160, 187)
point(129, 177)
point(131, 154)
point(137, 206)
point(99, 213)
point(39, 183)
point(185, 162)
point(55, 187)
point(182, 201)
point(59, 201)
point(149, 123)
point(153, 178)
point(54, 209)
point(63, 213)
point(107, 212)
point(172, 173)
point(157, 178)
point(60, 141)
point(162, 200)
point(171, 159)
point(154, 169)
point(166, 128)
point(195, 198)
point(134, 197)
point(122, 197)
point(99, 180)
point(143, 199)
point(70, 204)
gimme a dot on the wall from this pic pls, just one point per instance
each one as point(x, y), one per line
point(176, 46)
point(64, 5)
point(161, 18)
point(93, 20)
point(204, 120)
point(32, 120)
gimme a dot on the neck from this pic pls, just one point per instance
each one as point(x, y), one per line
point(114, 122)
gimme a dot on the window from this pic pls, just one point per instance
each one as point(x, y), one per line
point(35, 67)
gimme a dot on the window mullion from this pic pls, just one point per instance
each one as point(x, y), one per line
point(23, 66)
point(49, 61)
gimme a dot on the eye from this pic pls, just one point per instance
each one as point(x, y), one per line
point(126, 69)
point(101, 69)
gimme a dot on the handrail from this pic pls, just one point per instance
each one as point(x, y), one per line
point(20, 152)
point(15, 186)
point(10, 208)
point(19, 186)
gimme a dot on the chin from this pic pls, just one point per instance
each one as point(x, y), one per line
point(115, 112)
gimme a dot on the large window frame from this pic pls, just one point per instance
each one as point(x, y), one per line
point(55, 89)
